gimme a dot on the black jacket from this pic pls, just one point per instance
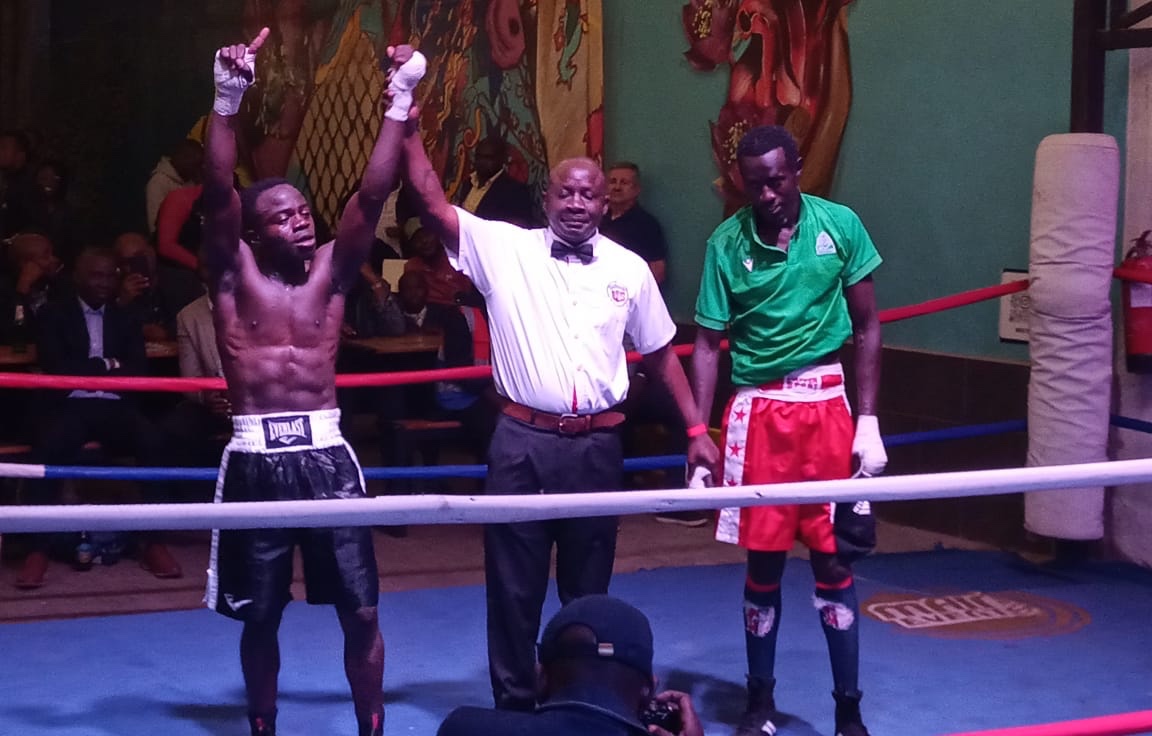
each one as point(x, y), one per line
point(62, 341)
point(507, 200)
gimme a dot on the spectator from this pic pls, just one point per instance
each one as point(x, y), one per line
point(196, 338)
point(178, 227)
point(180, 168)
point(648, 403)
point(44, 206)
point(156, 293)
point(372, 311)
point(35, 270)
point(490, 192)
point(15, 150)
point(408, 311)
point(197, 424)
point(595, 679)
point(631, 225)
point(445, 284)
point(31, 279)
point(91, 336)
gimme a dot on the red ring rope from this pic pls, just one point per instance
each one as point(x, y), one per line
point(962, 299)
point(360, 380)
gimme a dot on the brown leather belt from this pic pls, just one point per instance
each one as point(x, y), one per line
point(562, 423)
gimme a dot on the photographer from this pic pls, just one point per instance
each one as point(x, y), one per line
point(154, 293)
point(594, 678)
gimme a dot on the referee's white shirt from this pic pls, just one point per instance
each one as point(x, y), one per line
point(558, 326)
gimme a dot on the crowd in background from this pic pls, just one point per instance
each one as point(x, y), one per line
point(77, 298)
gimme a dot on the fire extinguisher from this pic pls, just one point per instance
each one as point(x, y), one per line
point(1138, 308)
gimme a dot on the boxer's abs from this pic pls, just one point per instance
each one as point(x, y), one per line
point(268, 379)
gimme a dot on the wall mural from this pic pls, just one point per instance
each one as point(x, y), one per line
point(788, 65)
point(529, 71)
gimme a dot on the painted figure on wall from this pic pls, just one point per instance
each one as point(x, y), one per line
point(521, 70)
point(789, 66)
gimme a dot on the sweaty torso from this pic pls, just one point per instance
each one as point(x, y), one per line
point(278, 342)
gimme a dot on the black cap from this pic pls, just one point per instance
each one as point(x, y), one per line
point(621, 633)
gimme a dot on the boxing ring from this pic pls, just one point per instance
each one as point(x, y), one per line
point(457, 509)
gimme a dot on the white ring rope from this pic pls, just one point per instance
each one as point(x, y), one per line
point(439, 509)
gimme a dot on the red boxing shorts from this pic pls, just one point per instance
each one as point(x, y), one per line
point(796, 429)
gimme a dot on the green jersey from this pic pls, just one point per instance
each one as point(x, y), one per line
point(783, 310)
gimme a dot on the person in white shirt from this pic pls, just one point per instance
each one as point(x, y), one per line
point(560, 301)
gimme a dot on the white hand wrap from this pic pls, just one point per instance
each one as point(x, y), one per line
point(404, 80)
point(701, 477)
point(868, 446)
point(231, 83)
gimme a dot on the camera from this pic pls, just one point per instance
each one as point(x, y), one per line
point(664, 715)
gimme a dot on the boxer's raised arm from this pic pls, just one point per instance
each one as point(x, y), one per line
point(357, 229)
point(233, 71)
point(435, 211)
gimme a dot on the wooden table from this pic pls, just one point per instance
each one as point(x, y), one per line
point(416, 342)
point(165, 349)
point(10, 359)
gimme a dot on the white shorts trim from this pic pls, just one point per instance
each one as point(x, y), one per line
point(286, 431)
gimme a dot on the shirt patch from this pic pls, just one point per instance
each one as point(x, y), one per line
point(748, 263)
point(824, 244)
point(287, 431)
point(618, 294)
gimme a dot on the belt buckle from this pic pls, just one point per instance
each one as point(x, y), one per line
point(573, 423)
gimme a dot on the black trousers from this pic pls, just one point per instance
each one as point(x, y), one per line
point(524, 459)
point(117, 424)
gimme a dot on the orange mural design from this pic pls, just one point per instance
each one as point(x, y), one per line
point(789, 66)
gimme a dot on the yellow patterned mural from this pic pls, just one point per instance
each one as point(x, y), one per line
point(530, 71)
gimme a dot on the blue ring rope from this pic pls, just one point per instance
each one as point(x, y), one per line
point(1138, 425)
point(656, 462)
point(631, 465)
point(955, 433)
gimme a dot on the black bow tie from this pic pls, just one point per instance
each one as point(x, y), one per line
point(562, 250)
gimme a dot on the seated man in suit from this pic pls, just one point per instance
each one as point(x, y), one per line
point(490, 192)
point(195, 427)
point(89, 335)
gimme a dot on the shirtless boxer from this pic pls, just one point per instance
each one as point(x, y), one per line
point(278, 303)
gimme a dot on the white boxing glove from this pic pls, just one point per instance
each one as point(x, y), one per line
point(232, 81)
point(403, 81)
point(868, 447)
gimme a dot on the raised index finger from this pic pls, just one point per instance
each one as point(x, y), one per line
point(257, 42)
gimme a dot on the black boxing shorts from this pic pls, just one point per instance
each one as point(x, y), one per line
point(289, 456)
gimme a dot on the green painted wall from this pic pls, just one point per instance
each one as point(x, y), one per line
point(950, 101)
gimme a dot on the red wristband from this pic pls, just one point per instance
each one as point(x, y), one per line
point(696, 430)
